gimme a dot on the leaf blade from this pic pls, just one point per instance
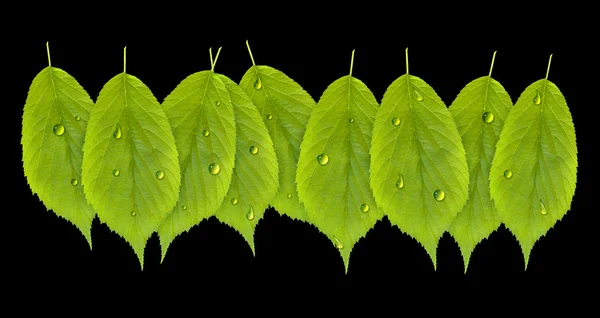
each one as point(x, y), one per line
point(56, 98)
point(425, 145)
point(537, 143)
point(337, 194)
point(129, 133)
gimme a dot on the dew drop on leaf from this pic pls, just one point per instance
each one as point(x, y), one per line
point(234, 201)
point(133, 213)
point(160, 175)
point(205, 133)
point(364, 207)
point(116, 172)
point(400, 182)
point(214, 168)
point(77, 118)
point(323, 159)
point(396, 121)
point(258, 83)
point(250, 214)
point(351, 120)
point(439, 195)
point(538, 98)
point(269, 116)
point(337, 243)
point(543, 211)
point(508, 174)
point(488, 117)
point(289, 196)
point(417, 95)
point(253, 150)
point(59, 129)
point(118, 133)
point(184, 207)
point(218, 103)
point(74, 182)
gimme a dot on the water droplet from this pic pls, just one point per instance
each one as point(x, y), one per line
point(323, 159)
point(253, 150)
point(400, 182)
point(218, 103)
point(543, 211)
point(133, 213)
point(77, 118)
point(538, 98)
point(269, 116)
point(337, 243)
point(74, 182)
point(439, 195)
point(214, 168)
point(258, 83)
point(205, 133)
point(351, 120)
point(250, 214)
point(160, 175)
point(116, 172)
point(59, 129)
point(396, 121)
point(234, 201)
point(289, 196)
point(364, 207)
point(507, 174)
point(488, 117)
point(184, 207)
point(417, 95)
point(118, 134)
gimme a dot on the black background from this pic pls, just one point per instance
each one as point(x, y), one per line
point(445, 50)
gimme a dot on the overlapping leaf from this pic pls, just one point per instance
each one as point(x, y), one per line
point(131, 175)
point(54, 123)
point(201, 115)
point(534, 170)
point(333, 167)
point(285, 107)
point(255, 175)
point(479, 112)
point(419, 172)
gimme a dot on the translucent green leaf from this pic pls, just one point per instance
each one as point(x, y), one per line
point(333, 168)
point(255, 173)
point(419, 172)
point(479, 111)
point(534, 170)
point(54, 123)
point(201, 116)
point(285, 107)
point(131, 175)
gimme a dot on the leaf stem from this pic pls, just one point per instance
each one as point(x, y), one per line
point(352, 62)
point(548, 70)
point(212, 63)
point(125, 59)
point(407, 61)
point(48, 51)
point(492, 66)
point(216, 58)
point(250, 51)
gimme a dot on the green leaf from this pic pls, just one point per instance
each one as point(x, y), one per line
point(479, 111)
point(255, 172)
point(333, 168)
point(201, 115)
point(54, 122)
point(537, 150)
point(131, 175)
point(285, 107)
point(417, 157)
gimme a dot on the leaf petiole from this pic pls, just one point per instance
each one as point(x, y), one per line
point(352, 62)
point(213, 62)
point(48, 51)
point(548, 70)
point(249, 51)
point(492, 66)
point(125, 59)
point(406, 61)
